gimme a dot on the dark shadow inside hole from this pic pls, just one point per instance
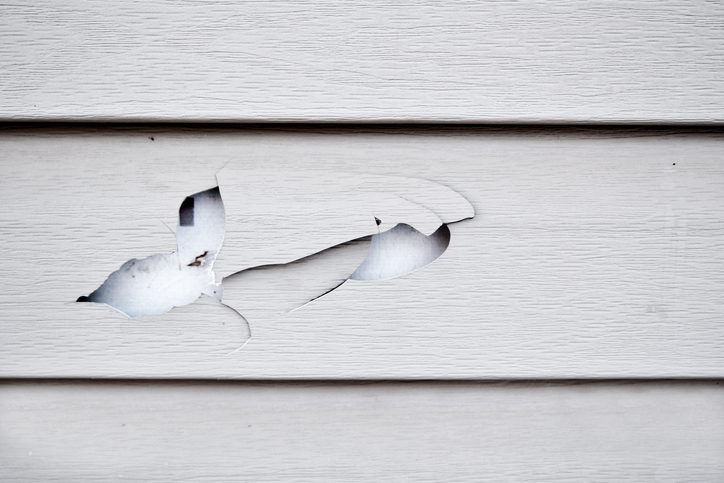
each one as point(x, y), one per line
point(186, 212)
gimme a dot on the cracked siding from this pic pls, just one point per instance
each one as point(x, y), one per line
point(570, 267)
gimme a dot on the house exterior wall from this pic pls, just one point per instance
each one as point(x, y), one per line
point(571, 331)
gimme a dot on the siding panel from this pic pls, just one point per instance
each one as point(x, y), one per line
point(663, 432)
point(591, 255)
point(419, 61)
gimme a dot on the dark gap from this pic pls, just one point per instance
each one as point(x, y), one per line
point(327, 292)
point(186, 213)
point(272, 266)
point(541, 382)
point(141, 124)
point(197, 263)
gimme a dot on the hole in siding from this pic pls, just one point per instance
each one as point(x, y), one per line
point(156, 284)
point(394, 253)
point(401, 250)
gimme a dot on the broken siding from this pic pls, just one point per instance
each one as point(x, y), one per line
point(416, 61)
point(393, 247)
point(591, 255)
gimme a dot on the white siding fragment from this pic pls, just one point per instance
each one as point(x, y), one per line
point(278, 216)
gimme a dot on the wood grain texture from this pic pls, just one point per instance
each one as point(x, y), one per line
point(591, 255)
point(466, 61)
point(652, 432)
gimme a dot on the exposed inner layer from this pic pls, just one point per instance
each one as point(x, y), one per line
point(156, 284)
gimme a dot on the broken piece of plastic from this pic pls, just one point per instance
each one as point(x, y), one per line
point(275, 217)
